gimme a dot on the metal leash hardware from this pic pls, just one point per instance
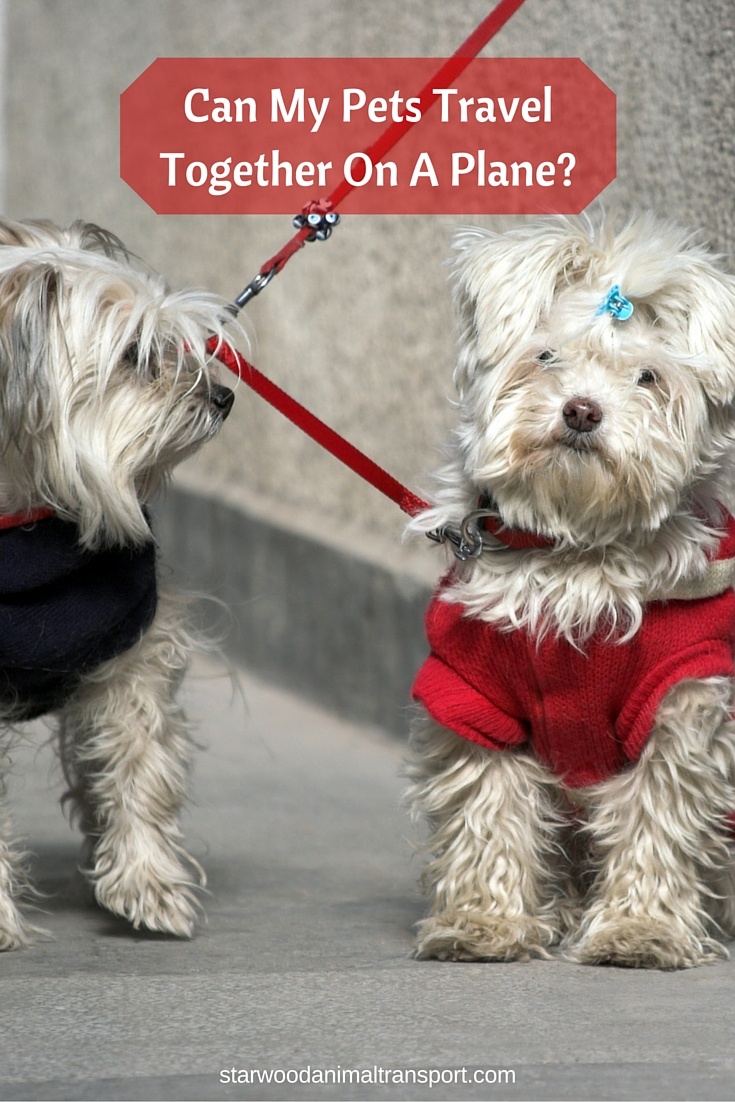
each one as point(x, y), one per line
point(466, 540)
point(257, 284)
point(315, 222)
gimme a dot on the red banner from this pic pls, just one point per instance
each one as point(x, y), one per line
point(266, 135)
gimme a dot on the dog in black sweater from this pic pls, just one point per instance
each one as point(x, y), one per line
point(105, 385)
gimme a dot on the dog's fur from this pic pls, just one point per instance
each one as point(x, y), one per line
point(639, 873)
point(105, 385)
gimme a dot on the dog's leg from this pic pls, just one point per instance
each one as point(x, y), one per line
point(126, 752)
point(721, 883)
point(655, 830)
point(494, 830)
point(15, 932)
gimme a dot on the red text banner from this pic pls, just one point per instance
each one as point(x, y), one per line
point(267, 135)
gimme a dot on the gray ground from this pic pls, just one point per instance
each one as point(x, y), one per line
point(305, 961)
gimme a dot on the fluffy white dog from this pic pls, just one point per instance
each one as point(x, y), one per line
point(105, 384)
point(576, 759)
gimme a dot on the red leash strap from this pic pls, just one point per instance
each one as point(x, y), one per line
point(466, 539)
point(444, 76)
point(315, 222)
point(347, 453)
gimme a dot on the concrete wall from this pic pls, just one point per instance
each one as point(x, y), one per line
point(360, 328)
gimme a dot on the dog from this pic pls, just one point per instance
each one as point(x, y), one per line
point(105, 385)
point(574, 751)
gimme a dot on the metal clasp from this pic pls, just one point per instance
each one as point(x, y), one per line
point(257, 284)
point(467, 541)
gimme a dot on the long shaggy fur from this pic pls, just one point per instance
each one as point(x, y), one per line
point(493, 880)
point(104, 378)
point(633, 509)
point(105, 385)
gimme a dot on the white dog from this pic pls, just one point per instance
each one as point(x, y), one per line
point(105, 386)
point(576, 761)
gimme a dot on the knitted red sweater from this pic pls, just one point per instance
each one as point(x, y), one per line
point(585, 714)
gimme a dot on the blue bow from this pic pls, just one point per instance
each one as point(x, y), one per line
point(616, 304)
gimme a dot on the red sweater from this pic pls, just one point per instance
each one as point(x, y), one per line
point(585, 714)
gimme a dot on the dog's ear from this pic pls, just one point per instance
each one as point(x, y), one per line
point(28, 303)
point(504, 285)
point(709, 319)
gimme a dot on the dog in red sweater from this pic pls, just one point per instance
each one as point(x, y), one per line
point(575, 757)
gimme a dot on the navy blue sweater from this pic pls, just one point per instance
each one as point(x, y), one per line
point(64, 610)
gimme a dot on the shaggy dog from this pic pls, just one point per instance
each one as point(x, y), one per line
point(576, 758)
point(105, 385)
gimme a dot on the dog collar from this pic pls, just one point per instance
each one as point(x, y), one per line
point(517, 539)
point(467, 539)
point(718, 576)
point(18, 520)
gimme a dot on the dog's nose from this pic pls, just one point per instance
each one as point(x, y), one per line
point(221, 398)
point(582, 414)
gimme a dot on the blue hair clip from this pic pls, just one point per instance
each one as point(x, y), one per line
point(616, 304)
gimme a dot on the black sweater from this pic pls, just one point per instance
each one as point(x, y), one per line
point(64, 611)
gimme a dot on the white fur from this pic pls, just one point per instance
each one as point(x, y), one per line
point(632, 509)
point(105, 384)
point(636, 514)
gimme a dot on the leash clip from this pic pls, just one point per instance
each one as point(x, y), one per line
point(466, 540)
point(257, 284)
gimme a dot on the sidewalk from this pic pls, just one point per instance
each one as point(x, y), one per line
point(305, 961)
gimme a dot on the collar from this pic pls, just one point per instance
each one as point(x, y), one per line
point(515, 538)
point(718, 577)
point(19, 520)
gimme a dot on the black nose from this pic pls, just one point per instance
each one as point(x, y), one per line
point(221, 398)
point(582, 414)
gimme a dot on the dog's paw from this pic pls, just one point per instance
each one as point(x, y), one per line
point(643, 943)
point(15, 932)
point(156, 894)
point(474, 935)
point(160, 908)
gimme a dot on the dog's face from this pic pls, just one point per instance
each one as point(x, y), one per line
point(105, 383)
point(574, 421)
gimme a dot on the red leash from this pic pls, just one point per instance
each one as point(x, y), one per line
point(351, 456)
point(318, 217)
point(315, 223)
point(465, 538)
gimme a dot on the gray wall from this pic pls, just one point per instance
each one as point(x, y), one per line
point(360, 328)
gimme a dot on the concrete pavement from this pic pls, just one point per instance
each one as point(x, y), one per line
point(305, 962)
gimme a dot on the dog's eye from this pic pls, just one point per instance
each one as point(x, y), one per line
point(145, 367)
point(647, 377)
point(131, 355)
point(545, 356)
